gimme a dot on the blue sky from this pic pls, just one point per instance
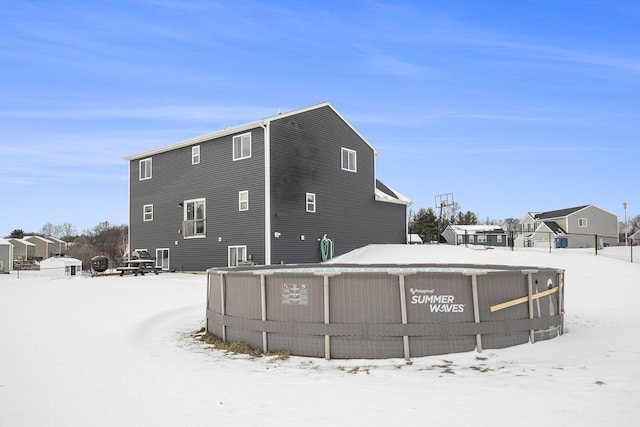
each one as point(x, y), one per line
point(511, 106)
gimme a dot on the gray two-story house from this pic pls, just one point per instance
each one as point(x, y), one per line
point(265, 192)
point(578, 227)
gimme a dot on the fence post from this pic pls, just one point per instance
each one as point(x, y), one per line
point(596, 244)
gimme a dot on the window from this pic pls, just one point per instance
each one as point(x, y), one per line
point(243, 200)
point(147, 213)
point(162, 258)
point(460, 238)
point(482, 238)
point(311, 202)
point(471, 239)
point(145, 169)
point(237, 254)
point(582, 222)
point(348, 160)
point(195, 155)
point(242, 146)
point(499, 238)
point(195, 218)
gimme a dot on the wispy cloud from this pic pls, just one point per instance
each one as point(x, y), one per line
point(391, 65)
point(177, 113)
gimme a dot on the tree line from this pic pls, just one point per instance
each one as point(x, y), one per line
point(103, 239)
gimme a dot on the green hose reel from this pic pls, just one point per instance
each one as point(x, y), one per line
point(326, 248)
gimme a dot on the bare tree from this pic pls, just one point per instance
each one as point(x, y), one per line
point(66, 229)
point(48, 229)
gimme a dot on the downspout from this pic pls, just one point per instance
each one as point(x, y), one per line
point(267, 194)
point(128, 246)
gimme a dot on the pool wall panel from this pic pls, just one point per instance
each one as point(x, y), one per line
point(384, 312)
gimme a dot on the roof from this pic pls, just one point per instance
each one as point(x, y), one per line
point(40, 238)
point(22, 242)
point(415, 238)
point(242, 128)
point(554, 227)
point(61, 260)
point(559, 213)
point(5, 242)
point(473, 229)
point(385, 193)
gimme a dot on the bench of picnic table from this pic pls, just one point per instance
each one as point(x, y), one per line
point(137, 267)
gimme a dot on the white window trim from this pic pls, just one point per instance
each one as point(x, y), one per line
point(229, 248)
point(204, 219)
point(348, 167)
point(233, 146)
point(582, 222)
point(159, 260)
point(195, 155)
point(141, 168)
point(146, 218)
point(243, 197)
point(310, 206)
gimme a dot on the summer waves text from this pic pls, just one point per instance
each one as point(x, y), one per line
point(437, 303)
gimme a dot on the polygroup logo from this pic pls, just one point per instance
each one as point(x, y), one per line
point(437, 303)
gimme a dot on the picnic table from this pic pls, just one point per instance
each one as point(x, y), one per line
point(138, 266)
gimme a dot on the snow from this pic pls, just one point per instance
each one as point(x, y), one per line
point(119, 351)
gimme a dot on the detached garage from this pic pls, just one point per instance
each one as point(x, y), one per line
point(60, 267)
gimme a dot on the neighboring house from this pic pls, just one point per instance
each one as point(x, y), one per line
point(59, 246)
point(578, 227)
point(635, 238)
point(23, 250)
point(6, 255)
point(265, 192)
point(60, 267)
point(44, 247)
point(487, 235)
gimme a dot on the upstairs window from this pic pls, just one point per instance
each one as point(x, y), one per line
point(582, 222)
point(195, 155)
point(147, 213)
point(243, 200)
point(242, 146)
point(145, 169)
point(311, 202)
point(348, 160)
point(195, 221)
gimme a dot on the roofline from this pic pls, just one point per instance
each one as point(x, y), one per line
point(241, 128)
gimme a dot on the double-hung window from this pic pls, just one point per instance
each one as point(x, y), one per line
point(243, 200)
point(147, 213)
point(195, 221)
point(311, 202)
point(242, 146)
point(145, 169)
point(349, 160)
point(195, 155)
point(582, 222)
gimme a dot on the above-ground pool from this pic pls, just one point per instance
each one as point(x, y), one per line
point(384, 311)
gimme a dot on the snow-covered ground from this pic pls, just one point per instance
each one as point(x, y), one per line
point(118, 351)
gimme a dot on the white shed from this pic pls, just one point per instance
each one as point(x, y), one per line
point(6, 255)
point(60, 267)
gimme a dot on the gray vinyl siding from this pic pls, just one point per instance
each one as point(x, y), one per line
point(306, 157)
point(218, 179)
